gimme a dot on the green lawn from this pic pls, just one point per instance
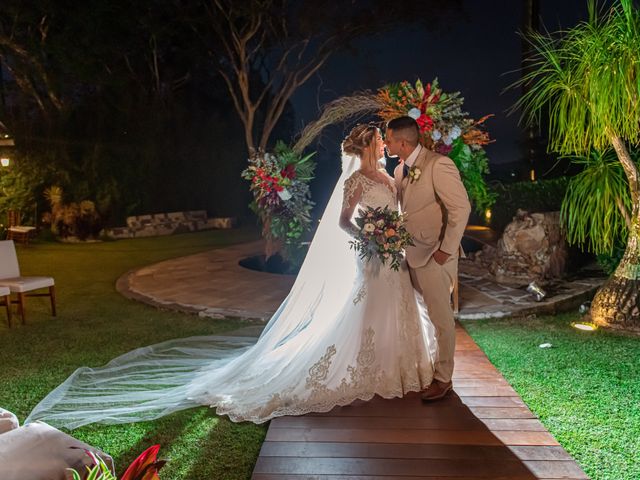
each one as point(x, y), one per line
point(95, 324)
point(585, 389)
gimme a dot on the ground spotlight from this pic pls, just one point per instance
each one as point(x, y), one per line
point(584, 326)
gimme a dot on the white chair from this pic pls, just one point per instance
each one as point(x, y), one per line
point(10, 277)
point(5, 298)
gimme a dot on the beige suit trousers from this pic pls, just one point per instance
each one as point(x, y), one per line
point(435, 283)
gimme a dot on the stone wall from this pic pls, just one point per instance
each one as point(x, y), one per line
point(168, 224)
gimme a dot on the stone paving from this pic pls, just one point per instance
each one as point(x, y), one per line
point(213, 284)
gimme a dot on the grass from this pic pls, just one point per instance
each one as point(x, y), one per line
point(585, 389)
point(95, 324)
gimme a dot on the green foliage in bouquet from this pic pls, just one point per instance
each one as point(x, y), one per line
point(281, 197)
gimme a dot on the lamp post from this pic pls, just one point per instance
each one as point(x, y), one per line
point(7, 145)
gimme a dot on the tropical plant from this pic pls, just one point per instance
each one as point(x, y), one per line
point(145, 467)
point(587, 79)
point(282, 200)
point(595, 206)
point(80, 220)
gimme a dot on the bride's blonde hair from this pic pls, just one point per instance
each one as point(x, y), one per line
point(359, 138)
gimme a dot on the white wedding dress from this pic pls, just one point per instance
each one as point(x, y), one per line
point(347, 330)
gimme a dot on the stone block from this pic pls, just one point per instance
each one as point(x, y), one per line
point(221, 222)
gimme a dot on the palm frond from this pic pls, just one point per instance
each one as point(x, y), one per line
point(589, 79)
point(590, 212)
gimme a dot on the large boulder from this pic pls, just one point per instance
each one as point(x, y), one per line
point(532, 248)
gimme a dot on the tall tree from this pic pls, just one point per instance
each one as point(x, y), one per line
point(24, 36)
point(267, 49)
point(589, 79)
point(530, 24)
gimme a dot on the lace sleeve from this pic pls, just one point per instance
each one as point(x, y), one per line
point(353, 190)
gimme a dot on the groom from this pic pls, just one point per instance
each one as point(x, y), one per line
point(436, 209)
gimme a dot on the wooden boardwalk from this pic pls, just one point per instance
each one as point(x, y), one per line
point(482, 431)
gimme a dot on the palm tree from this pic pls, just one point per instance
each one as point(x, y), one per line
point(530, 23)
point(589, 79)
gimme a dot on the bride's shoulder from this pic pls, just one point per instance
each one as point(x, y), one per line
point(355, 177)
point(353, 182)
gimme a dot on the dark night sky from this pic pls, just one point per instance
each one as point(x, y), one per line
point(472, 55)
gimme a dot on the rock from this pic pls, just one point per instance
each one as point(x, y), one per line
point(532, 248)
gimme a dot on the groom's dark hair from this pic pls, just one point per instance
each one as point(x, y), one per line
point(406, 127)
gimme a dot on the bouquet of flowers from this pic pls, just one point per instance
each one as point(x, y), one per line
point(446, 129)
point(382, 233)
point(281, 196)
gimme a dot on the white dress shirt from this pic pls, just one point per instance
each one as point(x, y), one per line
point(412, 158)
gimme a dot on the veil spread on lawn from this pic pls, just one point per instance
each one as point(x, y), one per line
point(157, 380)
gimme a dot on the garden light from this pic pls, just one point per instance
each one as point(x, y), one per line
point(4, 162)
point(537, 292)
point(584, 326)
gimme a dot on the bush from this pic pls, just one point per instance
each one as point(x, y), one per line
point(538, 196)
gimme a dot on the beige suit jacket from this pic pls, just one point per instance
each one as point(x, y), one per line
point(436, 207)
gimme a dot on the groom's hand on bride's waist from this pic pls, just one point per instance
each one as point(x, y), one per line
point(440, 257)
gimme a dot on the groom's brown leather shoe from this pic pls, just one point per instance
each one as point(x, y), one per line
point(436, 390)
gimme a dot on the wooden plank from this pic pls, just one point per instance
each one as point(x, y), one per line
point(279, 476)
point(525, 438)
point(536, 452)
point(485, 391)
point(453, 437)
point(474, 381)
point(492, 401)
point(463, 421)
point(402, 450)
point(449, 422)
point(556, 469)
point(412, 412)
point(390, 466)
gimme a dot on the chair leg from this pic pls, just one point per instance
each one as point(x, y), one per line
point(52, 294)
point(7, 303)
point(21, 302)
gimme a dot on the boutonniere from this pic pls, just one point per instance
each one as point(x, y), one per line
point(414, 174)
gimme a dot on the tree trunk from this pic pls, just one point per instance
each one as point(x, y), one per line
point(530, 24)
point(617, 304)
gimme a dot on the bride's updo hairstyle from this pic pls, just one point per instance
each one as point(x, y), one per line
point(359, 139)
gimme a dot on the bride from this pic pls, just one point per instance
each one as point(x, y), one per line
point(348, 329)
